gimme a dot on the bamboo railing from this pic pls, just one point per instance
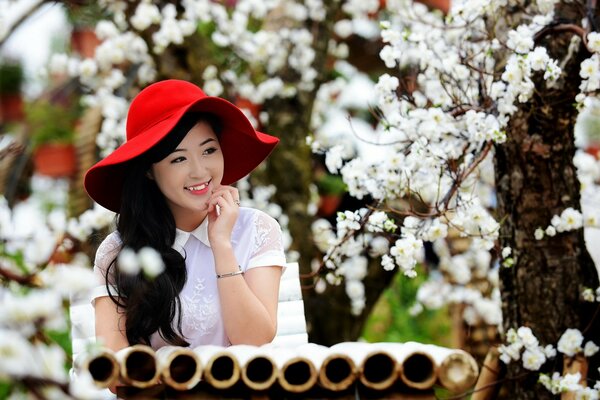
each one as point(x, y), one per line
point(298, 369)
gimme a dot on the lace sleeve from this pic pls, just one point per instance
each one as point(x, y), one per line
point(267, 248)
point(106, 253)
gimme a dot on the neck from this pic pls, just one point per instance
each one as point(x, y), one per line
point(189, 221)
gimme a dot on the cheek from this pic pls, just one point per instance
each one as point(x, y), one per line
point(165, 179)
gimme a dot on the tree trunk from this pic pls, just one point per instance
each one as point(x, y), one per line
point(331, 320)
point(536, 179)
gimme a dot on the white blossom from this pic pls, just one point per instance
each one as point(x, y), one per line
point(570, 342)
point(533, 359)
point(334, 158)
point(527, 337)
point(128, 262)
point(590, 349)
point(213, 87)
point(145, 15)
point(151, 262)
point(539, 234)
point(17, 355)
point(593, 42)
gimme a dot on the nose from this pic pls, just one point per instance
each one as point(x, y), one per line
point(197, 167)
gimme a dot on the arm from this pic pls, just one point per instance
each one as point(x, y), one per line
point(109, 320)
point(110, 324)
point(249, 301)
point(110, 327)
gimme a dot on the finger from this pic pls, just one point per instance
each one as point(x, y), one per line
point(229, 190)
point(234, 193)
point(228, 196)
point(225, 194)
point(223, 200)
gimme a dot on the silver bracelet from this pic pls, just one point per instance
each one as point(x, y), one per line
point(227, 275)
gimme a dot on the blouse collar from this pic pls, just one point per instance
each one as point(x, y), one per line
point(200, 233)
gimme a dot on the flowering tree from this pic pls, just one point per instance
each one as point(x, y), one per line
point(496, 79)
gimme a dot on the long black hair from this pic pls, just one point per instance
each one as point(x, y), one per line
point(145, 220)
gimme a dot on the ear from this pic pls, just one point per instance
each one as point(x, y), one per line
point(149, 174)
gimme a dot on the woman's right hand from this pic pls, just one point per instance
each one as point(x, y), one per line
point(220, 224)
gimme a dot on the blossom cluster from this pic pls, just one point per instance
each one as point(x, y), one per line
point(569, 220)
point(282, 41)
point(36, 291)
point(432, 139)
point(588, 294)
point(558, 384)
point(146, 260)
point(523, 345)
point(454, 285)
point(345, 250)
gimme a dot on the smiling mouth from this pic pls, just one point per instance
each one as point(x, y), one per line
point(197, 188)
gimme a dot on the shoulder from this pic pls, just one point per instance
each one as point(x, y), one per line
point(109, 248)
point(253, 217)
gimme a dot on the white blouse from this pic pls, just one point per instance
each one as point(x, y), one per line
point(257, 242)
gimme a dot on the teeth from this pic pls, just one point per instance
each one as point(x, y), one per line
point(200, 187)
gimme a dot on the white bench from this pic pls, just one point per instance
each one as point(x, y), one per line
point(291, 323)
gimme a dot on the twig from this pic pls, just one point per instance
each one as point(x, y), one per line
point(28, 280)
point(33, 8)
point(589, 325)
point(348, 235)
point(558, 27)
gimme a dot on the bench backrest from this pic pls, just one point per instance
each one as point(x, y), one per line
point(291, 324)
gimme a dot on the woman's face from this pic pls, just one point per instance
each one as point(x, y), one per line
point(188, 176)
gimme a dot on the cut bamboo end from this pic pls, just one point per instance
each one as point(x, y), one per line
point(138, 366)
point(458, 372)
point(337, 372)
point(418, 371)
point(180, 367)
point(102, 366)
point(378, 371)
point(297, 375)
point(259, 373)
point(222, 371)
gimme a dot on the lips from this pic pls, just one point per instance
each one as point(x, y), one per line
point(200, 188)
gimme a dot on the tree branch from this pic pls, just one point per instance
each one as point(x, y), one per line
point(12, 28)
point(558, 28)
point(27, 280)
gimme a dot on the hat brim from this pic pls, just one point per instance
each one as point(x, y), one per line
point(243, 150)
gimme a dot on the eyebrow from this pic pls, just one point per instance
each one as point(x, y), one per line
point(200, 145)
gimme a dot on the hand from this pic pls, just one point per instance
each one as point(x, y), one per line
point(220, 224)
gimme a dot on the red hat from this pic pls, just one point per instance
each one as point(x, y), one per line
point(153, 114)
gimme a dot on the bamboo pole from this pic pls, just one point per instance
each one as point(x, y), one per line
point(335, 371)
point(416, 368)
point(138, 366)
point(101, 364)
point(457, 370)
point(486, 387)
point(296, 371)
point(377, 368)
point(221, 368)
point(258, 370)
point(180, 368)
point(574, 365)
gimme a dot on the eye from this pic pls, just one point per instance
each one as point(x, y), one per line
point(177, 160)
point(209, 151)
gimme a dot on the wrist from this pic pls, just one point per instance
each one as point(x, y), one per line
point(221, 245)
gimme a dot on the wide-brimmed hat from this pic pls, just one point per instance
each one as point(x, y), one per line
point(153, 114)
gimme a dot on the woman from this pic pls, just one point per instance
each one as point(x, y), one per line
point(168, 183)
